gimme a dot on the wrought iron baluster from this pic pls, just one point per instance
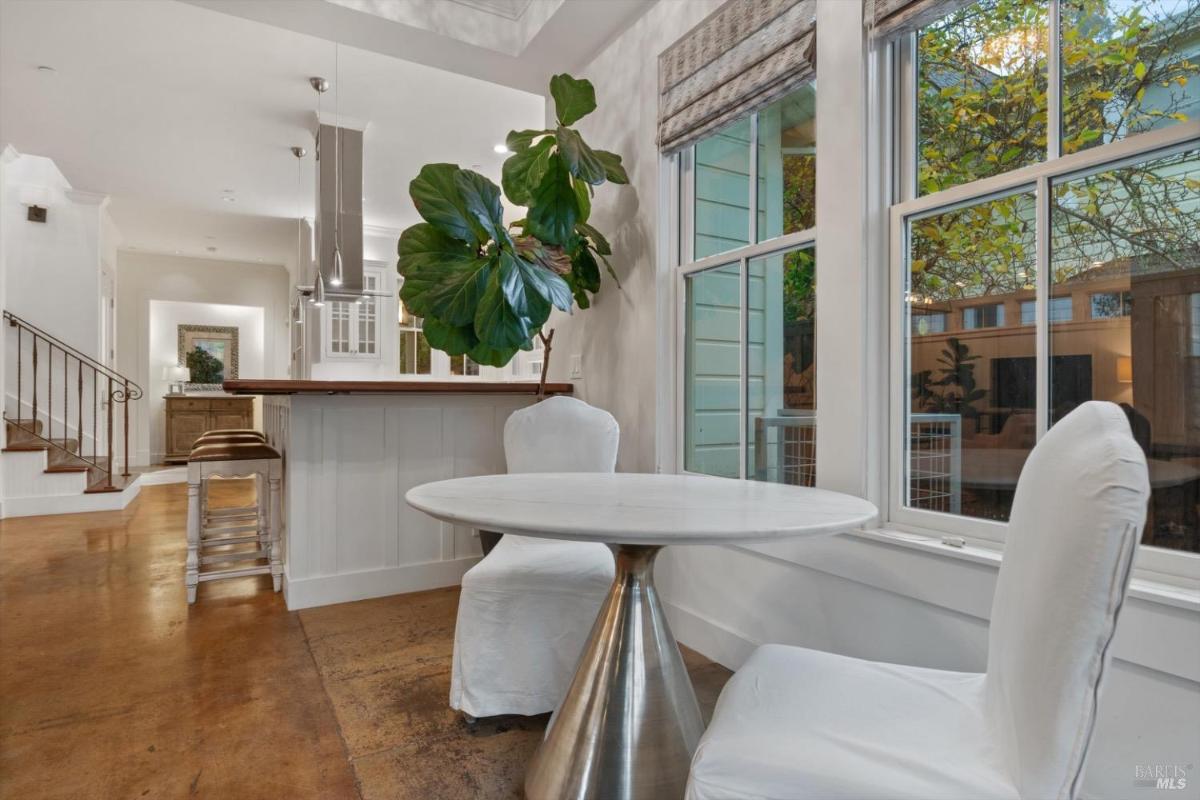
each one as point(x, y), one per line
point(20, 358)
point(110, 430)
point(79, 403)
point(50, 393)
point(66, 403)
point(33, 424)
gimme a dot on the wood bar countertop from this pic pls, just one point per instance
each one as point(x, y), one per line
point(391, 387)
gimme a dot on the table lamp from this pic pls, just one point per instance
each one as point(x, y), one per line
point(178, 376)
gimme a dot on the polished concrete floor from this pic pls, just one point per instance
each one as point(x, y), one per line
point(112, 687)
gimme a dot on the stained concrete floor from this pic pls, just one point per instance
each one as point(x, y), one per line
point(112, 687)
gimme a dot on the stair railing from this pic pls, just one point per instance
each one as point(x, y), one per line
point(42, 357)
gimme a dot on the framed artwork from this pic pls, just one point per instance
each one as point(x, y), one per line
point(211, 353)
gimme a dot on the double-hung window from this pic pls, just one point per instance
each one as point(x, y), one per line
point(1048, 163)
point(746, 287)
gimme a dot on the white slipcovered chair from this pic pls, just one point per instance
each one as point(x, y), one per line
point(795, 723)
point(527, 608)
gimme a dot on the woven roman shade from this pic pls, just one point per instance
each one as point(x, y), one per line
point(745, 55)
point(888, 18)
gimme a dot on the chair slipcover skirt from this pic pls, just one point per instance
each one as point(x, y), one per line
point(524, 617)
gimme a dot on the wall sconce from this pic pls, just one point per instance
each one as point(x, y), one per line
point(37, 198)
point(178, 375)
point(1124, 369)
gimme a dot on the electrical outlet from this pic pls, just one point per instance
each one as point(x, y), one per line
point(576, 366)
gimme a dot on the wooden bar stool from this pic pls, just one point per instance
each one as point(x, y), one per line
point(230, 515)
point(211, 534)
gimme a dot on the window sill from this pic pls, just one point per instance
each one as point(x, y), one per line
point(931, 543)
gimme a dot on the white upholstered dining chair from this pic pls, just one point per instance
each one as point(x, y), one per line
point(527, 608)
point(796, 723)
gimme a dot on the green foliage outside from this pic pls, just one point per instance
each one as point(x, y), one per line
point(982, 111)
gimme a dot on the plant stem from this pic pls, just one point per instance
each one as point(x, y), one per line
point(545, 362)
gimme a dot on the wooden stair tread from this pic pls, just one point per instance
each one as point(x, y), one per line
point(29, 447)
point(119, 483)
point(66, 468)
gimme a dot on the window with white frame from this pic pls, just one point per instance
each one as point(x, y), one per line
point(747, 288)
point(1049, 161)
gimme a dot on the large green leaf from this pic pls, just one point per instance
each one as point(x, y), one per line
point(535, 278)
point(523, 171)
point(507, 314)
point(581, 160)
point(583, 198)
point(574, 98)
point(613, 170)
point(521, 140)
point(599, 243)
point(492, 356)
point(553, 208)
point(434, 265)
point(481, 198)
point(585, 270)
point(452, 340)
point(436, 195)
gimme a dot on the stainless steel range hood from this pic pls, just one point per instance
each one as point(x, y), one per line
point(347, 227)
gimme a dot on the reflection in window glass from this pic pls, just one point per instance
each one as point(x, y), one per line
point(1060, 310)
point(712, 367)
point(787, 164)
point(722, 178)
point(971, 414)
point(1106, 305)
point(781, 398)
point(415, 356)
point(981, 92)
point(989, 316)
point(1127, 237)
point(1129, 66)
point(927, 322)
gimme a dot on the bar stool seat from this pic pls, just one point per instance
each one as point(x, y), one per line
point(215, 535)
point(233, 432)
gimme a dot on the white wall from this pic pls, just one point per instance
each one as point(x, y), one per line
point(616, 336)
point(147, 277)
point(165, 318)
point(850, 594)
point(53, 277)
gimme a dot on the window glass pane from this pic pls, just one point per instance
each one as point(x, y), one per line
point(414, 353)
point(1128, 66)
point(722, 178)
point(972, 393)
point(787, 164)
point(712, 372)
point(924, 322)
point(1125, 240)
point(781, 399)
point(1060, 310)
point(981, 92)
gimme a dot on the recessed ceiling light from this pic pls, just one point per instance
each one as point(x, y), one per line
point(501, 148)
point(229, 198)
point(177, 252)
point(46, 68)
point(211, 249)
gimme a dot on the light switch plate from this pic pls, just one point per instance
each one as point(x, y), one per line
point(576, 365)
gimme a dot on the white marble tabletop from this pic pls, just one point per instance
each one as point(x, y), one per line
point(634, 508)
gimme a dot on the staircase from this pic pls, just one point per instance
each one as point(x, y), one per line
point(62, 425)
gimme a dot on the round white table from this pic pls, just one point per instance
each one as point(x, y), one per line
point(629, 723)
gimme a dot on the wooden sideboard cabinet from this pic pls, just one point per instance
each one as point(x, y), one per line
point(188, 417)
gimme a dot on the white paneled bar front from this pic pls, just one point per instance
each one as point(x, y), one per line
point(349, 458)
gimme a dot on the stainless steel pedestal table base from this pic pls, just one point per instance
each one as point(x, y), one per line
point(630, 721)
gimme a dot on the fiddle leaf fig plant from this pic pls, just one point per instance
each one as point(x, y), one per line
point(485, 288)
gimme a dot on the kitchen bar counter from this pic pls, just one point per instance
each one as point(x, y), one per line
point(274, 387)
point(351, 450)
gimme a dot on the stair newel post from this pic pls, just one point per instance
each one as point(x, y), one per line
point(125, 432)
point(110, 432)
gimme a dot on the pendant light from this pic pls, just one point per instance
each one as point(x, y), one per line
point(299, 153)
point(318, 295)
point(335, 278)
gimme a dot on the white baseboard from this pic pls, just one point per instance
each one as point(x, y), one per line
point(163, 476)
point(708, 638)
point(344, 588)
point(71, 503)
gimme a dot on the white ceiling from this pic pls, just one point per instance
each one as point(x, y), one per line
point(167, 105)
